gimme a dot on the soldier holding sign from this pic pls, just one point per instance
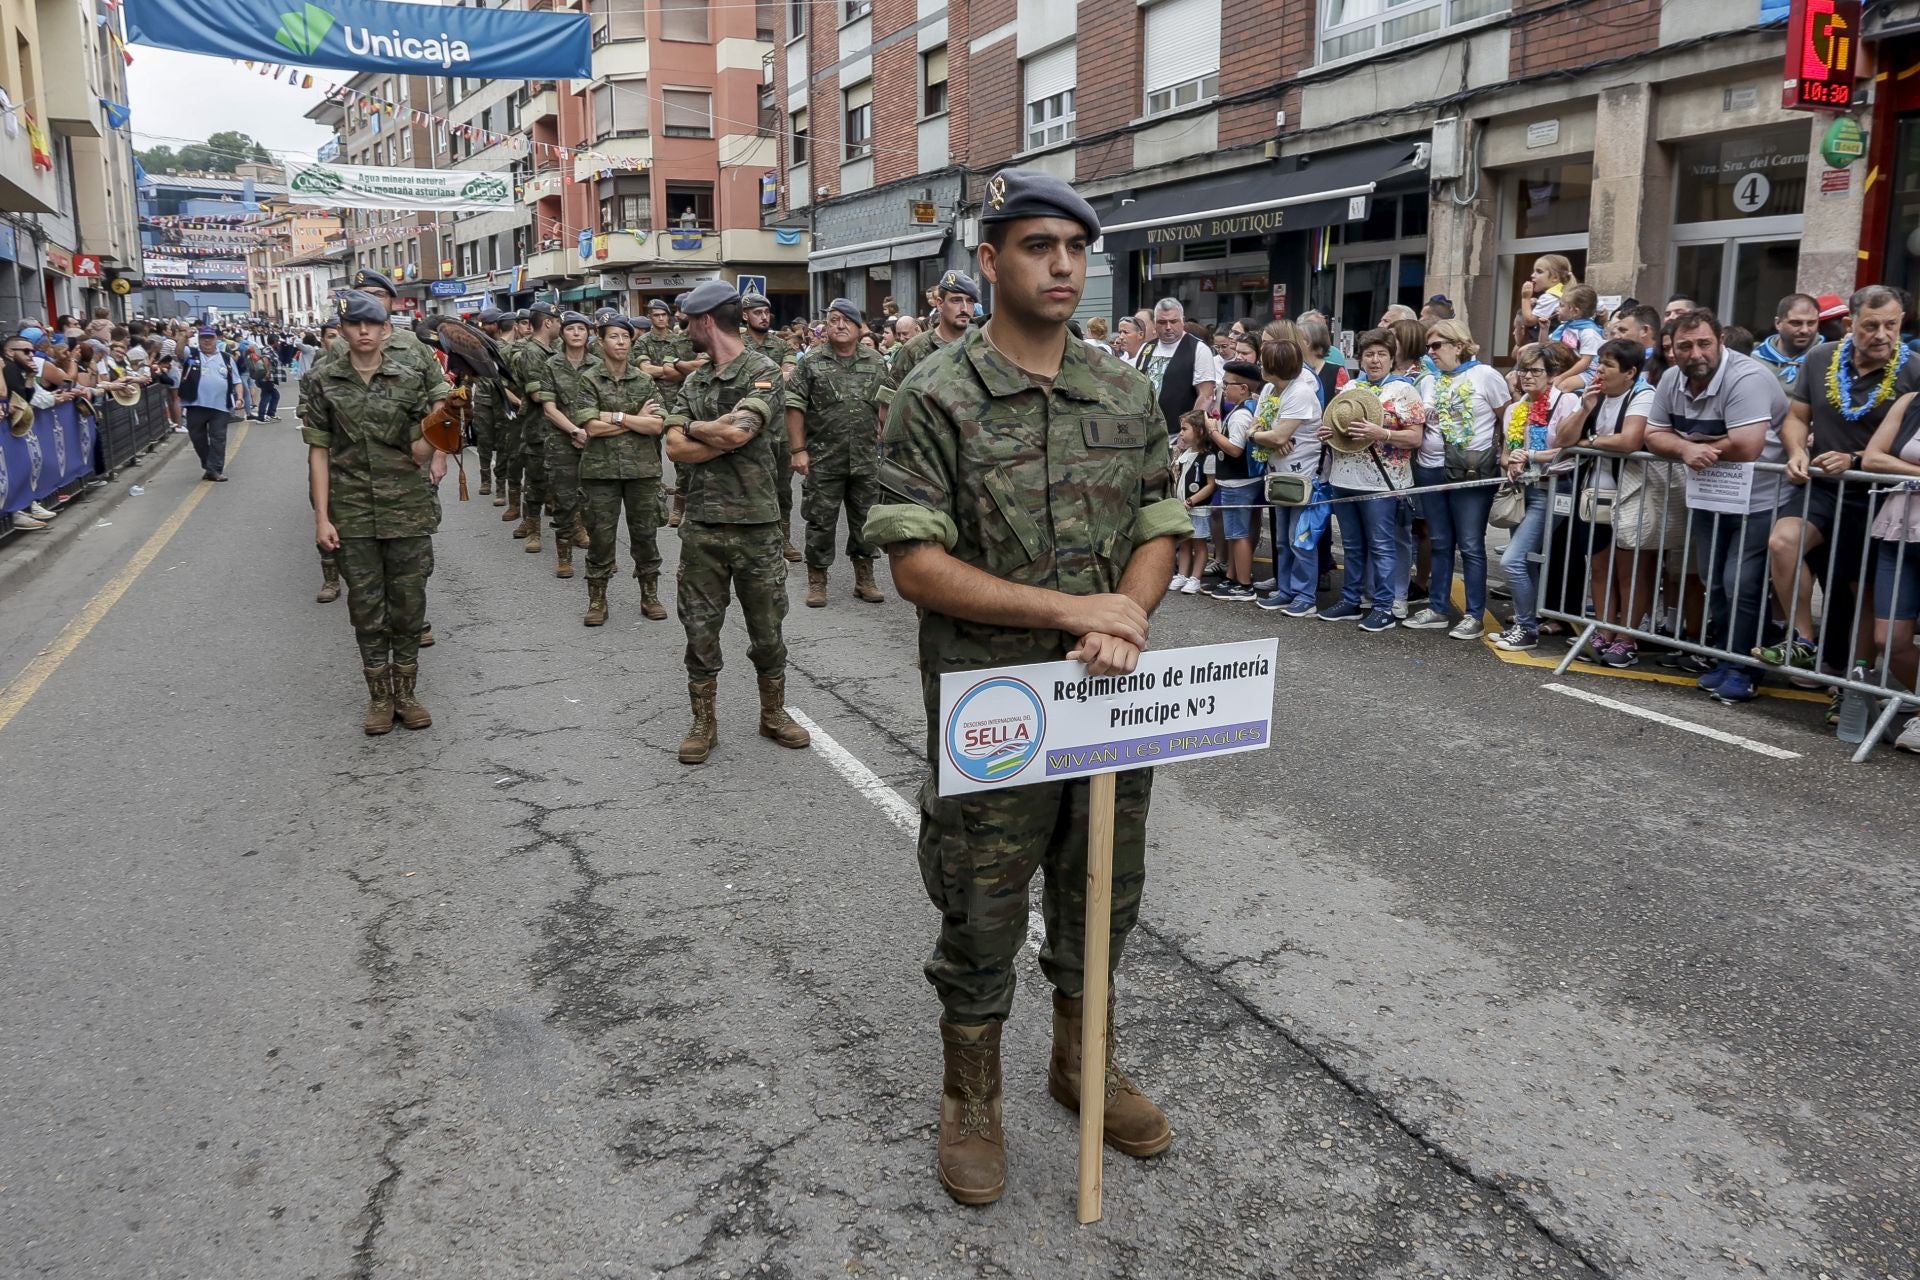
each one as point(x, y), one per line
point(1029, 515)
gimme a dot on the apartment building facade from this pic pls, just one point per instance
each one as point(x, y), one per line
point(1248, 157)
point(68, 222)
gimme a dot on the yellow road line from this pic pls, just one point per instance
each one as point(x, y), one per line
point(16, 695)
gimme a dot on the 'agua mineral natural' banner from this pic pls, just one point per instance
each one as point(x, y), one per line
point(343, 186)
point(372, 35)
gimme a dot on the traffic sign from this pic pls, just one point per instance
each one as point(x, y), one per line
point(752, 284)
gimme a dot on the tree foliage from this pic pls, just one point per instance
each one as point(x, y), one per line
point(220, 153)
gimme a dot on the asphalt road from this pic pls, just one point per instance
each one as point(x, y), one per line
point(1465, 978)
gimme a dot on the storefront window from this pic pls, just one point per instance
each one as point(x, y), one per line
point(1903, 214)
point(1550, 200)
point(1738, 200)
point(1743, 176)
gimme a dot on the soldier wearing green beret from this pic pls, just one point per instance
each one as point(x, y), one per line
point(361, 417)
point(621, 421)
point(560, 389)
point(721, 437)
point(1028, 513)
point(835, 403)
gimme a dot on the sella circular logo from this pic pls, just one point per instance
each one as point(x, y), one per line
point(995, 729)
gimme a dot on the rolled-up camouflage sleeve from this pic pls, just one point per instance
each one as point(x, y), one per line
point(917, 466)
point(316, 419)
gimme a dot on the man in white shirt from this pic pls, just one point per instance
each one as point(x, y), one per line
point(1179, 364)
point(209, 385)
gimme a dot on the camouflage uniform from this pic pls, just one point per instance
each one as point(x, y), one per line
point(664, 350)
point(1047, 488)
point(563, 383)
point(329, 560)
point(778, 352)
point(916, 349)
point(620, 472)
point(732, 531)
point(378, 499)
point(530, 360)
point(509, 467)
point(841, 399)
point(484, 408)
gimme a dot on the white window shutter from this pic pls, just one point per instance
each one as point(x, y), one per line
point(1050, 72)
point(1182, 42)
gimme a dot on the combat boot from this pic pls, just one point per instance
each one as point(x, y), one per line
point(650, 606)
point(329, 584)
point(513, 505)
point(426, 636)
point(775, 723)
point(486, 480)
point(532, 525)
point(412, 714)
point(816, 588)
point(500, 491)
point(787, 549)
point(973, 1153)
point(863, 584)
point(562, 557)
point(379, 718)
point(679, 510)
point(596, 603)
point(705, 731)
point(1134, 1126)
point(580, 538)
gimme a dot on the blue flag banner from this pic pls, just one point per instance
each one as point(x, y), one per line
point(372, 35)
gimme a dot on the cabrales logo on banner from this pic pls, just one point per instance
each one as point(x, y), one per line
point(372, 35)
point(343, 186)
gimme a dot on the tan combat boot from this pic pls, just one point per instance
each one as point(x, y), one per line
point(499, 492)
point(775, 723)
point(426, 636)
point(787, 549)
point(532, 525)
point(596, 602)
point(705, 731)
point(486, 481)
point(650, 606)
point(329, 584)
point(580, 538)
point(816, 588)
point(973, 1154)
point(679, 510)
point(412, 714)
point(863, 584)
point(1134, 1126)
point(512, 512)
point(562, 557)
point(379, 718)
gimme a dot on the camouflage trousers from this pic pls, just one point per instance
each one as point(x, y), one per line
point(534, 431)
point(563, 479)
point(507, 464)
point(783, 462)
point(329, 560)
point(485, 431)
point(604, 500)
point(747, 557)
point(387, 595)
point(825, 495)
point(978, 854)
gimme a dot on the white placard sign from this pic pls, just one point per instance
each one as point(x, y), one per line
point(1726, 487)
point(343, 186)
point(1017, 726)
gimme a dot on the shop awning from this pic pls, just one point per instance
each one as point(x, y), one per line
point(582, 294)
point(1297, 193)
point(871, 253)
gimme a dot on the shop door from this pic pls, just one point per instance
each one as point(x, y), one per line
point(1365, 291)
point(1742, 280)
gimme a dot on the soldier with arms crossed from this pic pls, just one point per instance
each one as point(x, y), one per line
point(620, 421)
point(834, 407)
point(361, 417)
point(1030, 517)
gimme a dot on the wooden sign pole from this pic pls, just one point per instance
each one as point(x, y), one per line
point(1093, 998)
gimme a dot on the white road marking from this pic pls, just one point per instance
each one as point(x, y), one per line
point(1674, 722)
point(900, 811)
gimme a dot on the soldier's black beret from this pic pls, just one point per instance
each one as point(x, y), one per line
point(748, 301)
point(523, 314)
point(658, 304)
point(641, 324)
point(846, 308)
point(959, 282)
point(601, 316)
point(366, 278)
point(573, 317)
point(1029, 193)
point(539, 309)
point(358, 305)
point(491, 315)
point(706, 297)
point(617, 321)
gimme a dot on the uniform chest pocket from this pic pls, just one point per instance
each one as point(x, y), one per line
point(1012, 533)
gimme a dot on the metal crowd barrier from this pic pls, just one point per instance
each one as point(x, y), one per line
point(127, 432)
point(1712, 569)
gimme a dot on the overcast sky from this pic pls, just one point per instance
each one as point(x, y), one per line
point(188, 96)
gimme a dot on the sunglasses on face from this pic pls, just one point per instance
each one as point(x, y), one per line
point(1435, 346)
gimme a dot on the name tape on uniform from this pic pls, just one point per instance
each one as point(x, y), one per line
point(1017, 726)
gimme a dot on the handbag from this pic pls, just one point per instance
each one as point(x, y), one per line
point(1509, 507)
point(1464, 463)
point(1288, 488)
point(1596, 505)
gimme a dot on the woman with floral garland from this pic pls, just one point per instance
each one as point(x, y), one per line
point(1461, 442)
point(1370, 526)
point(1533, 446)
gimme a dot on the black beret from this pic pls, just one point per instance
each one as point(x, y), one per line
point(539, 309)
point(522, 314)
point(604, 313)
point(748, 301)
point(491, 315)
point(1029, 193)
point(846, 308)
point(358, 305)
point(617, 321)
point(640, 324)
point(707, 297)
point(573, 317)
point(365, 278)
point(658, 304)
point(959, 282)
point(1246, 370)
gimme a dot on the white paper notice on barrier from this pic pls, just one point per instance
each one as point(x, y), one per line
point(1726, 487)
point(1017, 726)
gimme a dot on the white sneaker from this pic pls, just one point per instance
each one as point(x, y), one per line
point(1192, 588)
point(1909, 739)
point(39, 512)
point(1178, 583)
point(1266, 585)
point(21, 520)
point(1400, 609)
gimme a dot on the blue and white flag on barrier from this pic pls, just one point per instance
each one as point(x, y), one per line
point(372, 35)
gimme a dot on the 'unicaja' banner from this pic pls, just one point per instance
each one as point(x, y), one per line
point(372, 35)
point(345, 186)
